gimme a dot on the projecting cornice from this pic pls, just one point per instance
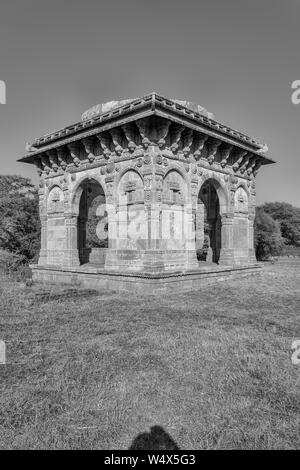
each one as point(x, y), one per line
point(135, 111)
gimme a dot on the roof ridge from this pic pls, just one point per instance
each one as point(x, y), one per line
point(153, 99)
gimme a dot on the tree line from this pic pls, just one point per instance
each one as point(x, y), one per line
point(276, 227)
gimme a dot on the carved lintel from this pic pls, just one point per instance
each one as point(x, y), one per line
point(225, 154)
point(240, 154)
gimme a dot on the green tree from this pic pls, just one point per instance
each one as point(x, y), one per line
point(289, 218)
point(19, 219)
point(267, 235)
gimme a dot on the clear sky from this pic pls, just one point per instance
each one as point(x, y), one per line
point(237, 58)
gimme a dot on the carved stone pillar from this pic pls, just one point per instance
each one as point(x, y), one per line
point(43, 251)
point(199, 215)
point(252, 256)
point(71, 252)
point(112, 219)
point(154, 222)
point(189, 234)
point(122, 235)
point(227, 249)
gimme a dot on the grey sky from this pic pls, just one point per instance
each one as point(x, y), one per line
point(236, 58)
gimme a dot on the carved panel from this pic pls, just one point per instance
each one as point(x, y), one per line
point(241, 200)
point(56, 200)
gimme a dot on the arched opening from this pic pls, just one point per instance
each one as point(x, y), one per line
point(208, 223)
point(92, 223)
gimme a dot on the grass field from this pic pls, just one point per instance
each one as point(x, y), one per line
point(92, 370)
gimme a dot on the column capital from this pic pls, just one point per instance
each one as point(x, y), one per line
point(70, 216)
point(227, 217)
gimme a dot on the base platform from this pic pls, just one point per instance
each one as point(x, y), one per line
point(95, 277)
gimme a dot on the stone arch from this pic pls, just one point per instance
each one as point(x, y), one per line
point(220, 188)
point(181, 187)
point(76, 192)
point(212, 202)
point(174, 168)
point(88, 205)
point(121, 173)
point(55, 199)
point(48, 189)
point(130, 187)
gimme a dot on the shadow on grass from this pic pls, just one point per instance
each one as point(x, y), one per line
point(156, 439)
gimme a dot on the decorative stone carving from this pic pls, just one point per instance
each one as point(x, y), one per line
point(105, 145)
point(212, 149)
point(225, 154)
point(151, 161)
point(241, 200)
point(56, 200)
point(239, 158)
point(75, 153)
point(89, 145)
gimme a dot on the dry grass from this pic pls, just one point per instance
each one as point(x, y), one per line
point(212, 367)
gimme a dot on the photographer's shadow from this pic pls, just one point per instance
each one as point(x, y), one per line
point(156, 439)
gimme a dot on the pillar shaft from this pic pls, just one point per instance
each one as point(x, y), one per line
point(71, 251)
point(227, 251)
point(43, 251)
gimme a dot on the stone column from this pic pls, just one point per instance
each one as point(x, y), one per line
point(122, 240)
point(71, 251)
point(154, 220)
point(252, 256)
point(43, 251)
point(189, 234)
point(199, 215)
point(227, 249)
point(112, 220)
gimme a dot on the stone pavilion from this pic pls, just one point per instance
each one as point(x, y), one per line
point(145, 194)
